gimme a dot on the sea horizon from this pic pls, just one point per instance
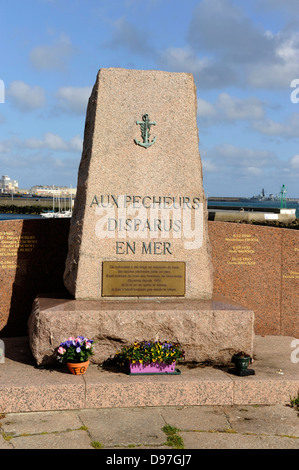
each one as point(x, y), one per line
point(221, 204)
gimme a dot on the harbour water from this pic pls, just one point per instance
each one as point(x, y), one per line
point(4, 216)
point(255, 204)
point(220, 204)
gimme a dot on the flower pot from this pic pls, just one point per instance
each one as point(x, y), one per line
point(77, 368)
point(152, 368)
point(241, 365)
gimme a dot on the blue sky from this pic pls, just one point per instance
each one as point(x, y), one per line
point(243, 55)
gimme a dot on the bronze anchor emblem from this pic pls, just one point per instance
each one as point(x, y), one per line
point(145, 125)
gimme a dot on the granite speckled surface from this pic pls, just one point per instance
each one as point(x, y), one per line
point(32, 259)
point(269, 287)
point(208, 330)
point(112, 164)
point(290, 284)
point(23, 387)
point(258, 267)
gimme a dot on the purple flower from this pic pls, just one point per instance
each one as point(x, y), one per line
point(66, 344)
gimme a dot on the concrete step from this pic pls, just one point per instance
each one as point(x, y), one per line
point(24, 387)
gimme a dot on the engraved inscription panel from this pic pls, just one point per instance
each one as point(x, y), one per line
point(143, 278)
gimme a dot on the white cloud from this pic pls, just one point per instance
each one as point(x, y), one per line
point(205, 109)
point(294, 162)
point(253, 171)
point(131, 37)
point(40, 168)
point(227, 48)
point(4, 147)
point(284, 6)
point(208, 72)
point(54, 56)
point(183, 59)
point(237, 108)
point(279, 72)
point(73, 99)
point(228, 109)
point(54, 142)
point(288, 130)
point(49, 160)
point(218, 26)
point(26, 97)
point(229, 159)
point(209, 167)
point(235, 171)
point(268, 127)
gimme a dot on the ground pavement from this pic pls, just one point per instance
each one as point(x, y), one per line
point(202, 408)
point(155, 429)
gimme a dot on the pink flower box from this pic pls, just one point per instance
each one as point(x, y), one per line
point(152, 368)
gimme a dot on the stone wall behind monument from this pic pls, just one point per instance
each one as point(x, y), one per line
point(32, 260)
point(254, 266)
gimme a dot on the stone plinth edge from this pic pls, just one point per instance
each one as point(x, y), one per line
point(208, 330)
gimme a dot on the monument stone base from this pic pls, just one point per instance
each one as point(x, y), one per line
point(208, 330)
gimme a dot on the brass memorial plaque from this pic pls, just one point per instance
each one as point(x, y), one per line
point(143, 278)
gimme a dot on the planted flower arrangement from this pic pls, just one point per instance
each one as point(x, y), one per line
point(75, 353)
point(151, 357)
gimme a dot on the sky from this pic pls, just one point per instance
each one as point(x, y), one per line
point(244, 57)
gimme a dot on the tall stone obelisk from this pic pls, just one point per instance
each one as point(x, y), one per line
point(139, 265)
point(140, 197)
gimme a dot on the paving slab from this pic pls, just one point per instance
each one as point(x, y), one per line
point(199, 427)
point(5, 444)
point(208, 440)
point(139, 427)
point(17, 424)
point(277, 420)
point(196, 418)
point(66, 440)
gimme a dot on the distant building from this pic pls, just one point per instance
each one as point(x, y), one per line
point(8, 186)
point(62, 191)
